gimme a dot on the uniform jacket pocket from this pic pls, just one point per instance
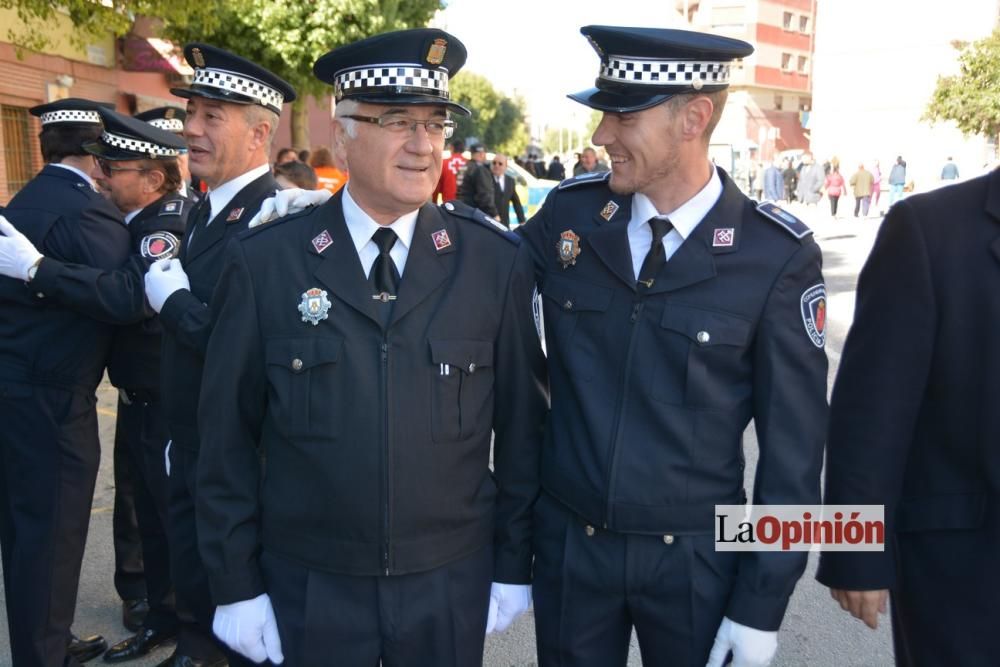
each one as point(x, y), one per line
point(304, 388)
point(461, 388)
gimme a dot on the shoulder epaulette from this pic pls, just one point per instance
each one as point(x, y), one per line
point(786, 220)
point(584, 179)
point(171, 207)
point(463, 210)
point(277, 222)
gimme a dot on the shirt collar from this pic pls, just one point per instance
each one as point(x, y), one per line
point(361, 226)
point(130, 216)
point(222, 195)
point(79, 172)
point(685, 217)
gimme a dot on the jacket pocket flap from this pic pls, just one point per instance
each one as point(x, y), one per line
point(706, 327)
point(572, 296)
point(464, 354)
point(957, 511)
point(300, 354)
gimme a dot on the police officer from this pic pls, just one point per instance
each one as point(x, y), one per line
point(52, 358)
point(370, 347)
point(232, 115)
point(171, 119)
point(675, 312)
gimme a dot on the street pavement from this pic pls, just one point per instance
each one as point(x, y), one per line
point(815, 631)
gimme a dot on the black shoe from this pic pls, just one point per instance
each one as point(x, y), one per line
point(134, 614)
point(86, 649)
point(177, 660)
point(139, 644)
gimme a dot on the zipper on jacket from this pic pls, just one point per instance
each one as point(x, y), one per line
point(386, 453)
point(620, 408)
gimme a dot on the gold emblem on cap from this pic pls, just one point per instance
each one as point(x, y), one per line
point(435, 54)
point(199, 60)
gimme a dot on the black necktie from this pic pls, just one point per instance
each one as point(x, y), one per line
point(655, 257)
point(198, 220)
point(384, 276)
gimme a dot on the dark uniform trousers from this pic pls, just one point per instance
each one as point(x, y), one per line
point(130, 581)
point(186, 322)
point(652, 389)
point(51, 361)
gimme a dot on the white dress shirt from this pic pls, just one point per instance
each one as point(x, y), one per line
point(362, 227)
point(684, 219)
point(219, 197)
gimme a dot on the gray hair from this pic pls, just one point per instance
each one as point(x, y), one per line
point(347, 108)
point(257, 114)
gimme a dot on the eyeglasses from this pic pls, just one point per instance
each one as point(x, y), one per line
point(109, 171)
point(398, 124)
point(497, 163)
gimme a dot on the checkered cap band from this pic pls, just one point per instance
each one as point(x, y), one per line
point(388, 77)
point(70, 116)
point(663, 72)
point(144, 148)
point(236, 83)
point(168, 124)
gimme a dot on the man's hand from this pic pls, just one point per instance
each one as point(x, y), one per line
point(250, 629)
point(288, 201)
point(17, 253)
point(507, 602)
point(751, 647)
point(165, 277)
point(866, 605)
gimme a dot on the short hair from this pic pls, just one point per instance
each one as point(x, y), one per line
point(304, 155)
point(457, 146)
point(285, 151)
point(718, 99)
point(257, 114)
point(341, 112)
point(321, 157)
point(298, 173)
point(171, 173)
point(60, 140)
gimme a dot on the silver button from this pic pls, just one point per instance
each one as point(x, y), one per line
point(568, 305)
point(703, 337)
point(450, 206)
point(668, 539)
point(589, 530)
point(39, 295)
point(472, 369)
point(296, 364)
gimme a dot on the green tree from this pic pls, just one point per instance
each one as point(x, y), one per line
point(497, 120)
point(971, 97)
point(288, 37)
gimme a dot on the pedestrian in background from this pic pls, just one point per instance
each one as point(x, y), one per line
point(295, 174)
point(949, 172)
point(876, 186)
point(478, 186)
point(286, 155)
point(556, 170)
point(452, 171)
point(835, 186)
point(774, 184)
point(328, 176)
point(505, 191)
point(790, 178)
point(811, 179)
point(897, 180)
point(589, 164)
point(861, 185)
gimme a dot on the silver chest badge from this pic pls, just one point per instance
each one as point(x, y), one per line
point(314, 305)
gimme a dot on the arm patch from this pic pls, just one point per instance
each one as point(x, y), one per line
point(159, 245)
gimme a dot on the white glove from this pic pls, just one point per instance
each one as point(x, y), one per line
point(165, 277)
point(17, 253)
point(507, 602)
point(288, 201)
point(166, 456)
point(751, 647)
point(249, 628)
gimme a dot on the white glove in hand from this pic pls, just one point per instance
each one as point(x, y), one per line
point(165, 277)
point(166, 456)
point(507, 602)
point(249, 628)
point(17, 253)
point(285, 202)
point(751, 647)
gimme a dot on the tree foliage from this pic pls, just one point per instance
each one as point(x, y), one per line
point(972, 97)
point(497, 120)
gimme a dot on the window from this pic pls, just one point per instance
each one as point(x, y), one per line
point(16, 127)
point(786, 22)
point(779, 102)
point(804, 24)
point(803, 63)
point(786, 61)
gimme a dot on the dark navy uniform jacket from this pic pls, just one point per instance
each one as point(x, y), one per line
point(376, 440)
point(42, 341)
point(915, 423)
point(185, 315)
point(651, 392)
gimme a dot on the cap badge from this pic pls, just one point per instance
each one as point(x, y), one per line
point(723, 238)
point(314, 305)
point(441, 240)
point(568, 247)
point(435, 54)
point(199, 60)
point(234, 215)
point(609, 210)
point(322, 241)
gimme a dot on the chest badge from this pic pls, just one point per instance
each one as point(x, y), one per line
point(322, 241)
point(234, 215)
point(609, 210)
point(723, 237)
point(568, 247)
point(314, 305)
point(441, 240)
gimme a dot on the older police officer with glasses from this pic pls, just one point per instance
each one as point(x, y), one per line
point(369, 348)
